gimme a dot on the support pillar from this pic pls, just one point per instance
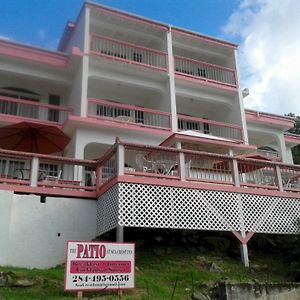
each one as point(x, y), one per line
point(242, 236)
point(244, 251)
point(121, 159)
point(34, 171)
point(119, 234)
point(182, 171)
point(171, 81)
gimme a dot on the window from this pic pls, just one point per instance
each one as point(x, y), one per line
point(48, 169)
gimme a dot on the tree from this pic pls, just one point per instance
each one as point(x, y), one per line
point(295, 130)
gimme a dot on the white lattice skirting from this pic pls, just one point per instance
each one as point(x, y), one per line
point(139, 205)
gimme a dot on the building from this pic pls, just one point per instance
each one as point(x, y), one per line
point(159, 138)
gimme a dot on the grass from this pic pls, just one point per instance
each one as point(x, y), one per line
point(156, 275)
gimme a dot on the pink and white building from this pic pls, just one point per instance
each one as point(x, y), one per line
point(159, 139)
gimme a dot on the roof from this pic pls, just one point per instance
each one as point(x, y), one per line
point(68, 31)
point(263, 117)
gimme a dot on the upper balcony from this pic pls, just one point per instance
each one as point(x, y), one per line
point(126, 52)
point(204, 60)
point(17, 110)
point(208, 73)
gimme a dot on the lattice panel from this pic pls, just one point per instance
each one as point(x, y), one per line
point(169, 207)
point(270, 214)
point(138, 205)
point(107, 210)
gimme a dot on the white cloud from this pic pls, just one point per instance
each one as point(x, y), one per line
point(269, 53)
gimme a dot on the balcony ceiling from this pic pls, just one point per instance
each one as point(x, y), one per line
point(127, 30)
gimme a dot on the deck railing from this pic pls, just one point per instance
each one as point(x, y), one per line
point(37, 173)
point(49, 174)
point(204, 71)
point(209, 127)
point(123, 51)
point(170, 163)
point(125, 113)
point(34, 110)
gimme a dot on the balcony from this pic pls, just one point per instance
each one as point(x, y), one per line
point(156, 163)
point(210, 128)
point(205, 72)
point(31, 110)
point(158, 166)
point(48, 175)
point(122, 51)
point(271, 155)
point(132, 115)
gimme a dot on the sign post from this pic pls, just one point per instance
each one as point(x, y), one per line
point(99, 266)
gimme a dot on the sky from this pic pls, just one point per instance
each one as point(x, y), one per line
point(267, 32)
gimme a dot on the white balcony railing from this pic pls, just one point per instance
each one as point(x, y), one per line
point(209, 127)
point(124, 113)
point(204, 71)
point(123, 51)
point(34, 110)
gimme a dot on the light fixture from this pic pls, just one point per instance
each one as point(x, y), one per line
point(245, 92)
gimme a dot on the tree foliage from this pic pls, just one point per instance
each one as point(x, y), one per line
point(295, 130)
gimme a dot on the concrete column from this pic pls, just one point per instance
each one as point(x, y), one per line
point(85, 65)
point(241, 104)
point(171, 81)
point(34, 171)
point(282, 148)
point(120, 159)
point(244, 251)
point(279, 178)
point(235, 170)
point(120, 234)
point(181, 169)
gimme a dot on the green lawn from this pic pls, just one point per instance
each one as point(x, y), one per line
point(156, 276)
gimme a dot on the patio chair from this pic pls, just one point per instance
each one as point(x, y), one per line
point(142, 164)
point(54, 178)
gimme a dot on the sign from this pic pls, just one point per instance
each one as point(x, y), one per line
point(99, 266)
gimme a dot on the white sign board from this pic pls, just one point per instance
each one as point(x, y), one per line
point(99, 266)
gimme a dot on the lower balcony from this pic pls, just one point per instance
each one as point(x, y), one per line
point(146, 164)
point(26, 110)
point(104, 110)
point(47, 175)
point(146, 186)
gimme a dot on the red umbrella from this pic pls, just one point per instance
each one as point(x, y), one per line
point(33, 137)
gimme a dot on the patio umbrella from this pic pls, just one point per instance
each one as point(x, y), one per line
point(33, 137)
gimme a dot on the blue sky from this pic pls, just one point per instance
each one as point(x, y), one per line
point(41, 22)
point(267, 32)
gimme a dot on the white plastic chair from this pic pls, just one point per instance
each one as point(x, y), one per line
point(54, 178)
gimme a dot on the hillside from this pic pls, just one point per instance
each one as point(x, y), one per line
point(176, 263)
